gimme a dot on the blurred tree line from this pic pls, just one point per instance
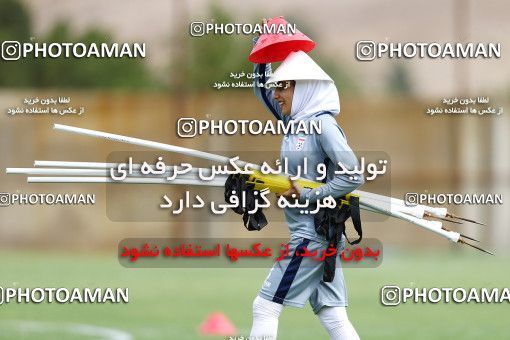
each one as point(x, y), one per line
point(213, 57)
point(198, 62)
point(15, 24)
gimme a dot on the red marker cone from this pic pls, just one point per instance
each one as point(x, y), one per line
point(217, 324)
point(276, 47)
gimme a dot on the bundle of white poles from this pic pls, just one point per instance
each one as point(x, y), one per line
point(94, 172)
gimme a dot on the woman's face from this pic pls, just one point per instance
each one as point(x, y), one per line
point(283, 93)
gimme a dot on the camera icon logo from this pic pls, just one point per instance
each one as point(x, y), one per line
point(11, 50)
point(187, 127)
point(197, 29)
point(390, 295)
point(5, 199)
point(411, 199)
point(365, 50)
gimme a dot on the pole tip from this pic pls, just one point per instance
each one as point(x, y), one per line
point(465, 219)
point(461, 241)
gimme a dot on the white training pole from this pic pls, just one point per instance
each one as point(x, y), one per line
point(437, 212)
point(107, 166)
point(132, 180)
point(390, 203)
point(98, 170)
point(190, 180)
point(434, 226)
point(434, 211)
point(149, 144)
point(66, 164)
point(140, 180)
point(58, 172)
point(416, 211)
point(106, 172)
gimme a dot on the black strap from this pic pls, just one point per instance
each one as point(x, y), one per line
point(235, 185)
point(356, 219)
point(330, 223)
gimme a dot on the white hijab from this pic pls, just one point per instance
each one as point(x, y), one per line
point(313, 96)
